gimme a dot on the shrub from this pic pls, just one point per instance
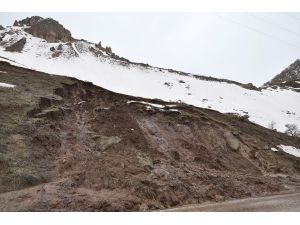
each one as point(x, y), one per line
point(292, 129)
point(272, 125)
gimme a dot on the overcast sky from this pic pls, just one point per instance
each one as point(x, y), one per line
point(246, 47)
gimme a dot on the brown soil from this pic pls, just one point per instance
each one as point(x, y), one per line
point(67, 145)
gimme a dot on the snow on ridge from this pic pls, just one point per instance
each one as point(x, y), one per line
point(75, 49)
point(5, 85)
point(148, 82)
point(290, 150)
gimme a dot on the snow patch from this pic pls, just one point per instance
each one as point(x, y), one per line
point(7, 85)
point(75, 49)
point(290, 150)
point(147, 103)
point(79, 103)
point(3, 71)
point(174, 110)
point(274, 149)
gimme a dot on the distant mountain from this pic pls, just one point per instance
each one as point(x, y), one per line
point(288, 78)
point(45, 45)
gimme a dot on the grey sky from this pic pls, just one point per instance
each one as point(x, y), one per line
point(246, 47)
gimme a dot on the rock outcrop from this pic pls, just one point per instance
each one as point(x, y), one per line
point(17, 47)
point(48, 29)
point(29, 21)
point(288, 75)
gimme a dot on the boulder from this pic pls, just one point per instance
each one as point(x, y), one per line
point(104, 142)
point(232, 141)
point(17, 47)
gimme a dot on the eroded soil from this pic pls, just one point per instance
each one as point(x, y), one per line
point(67, 145)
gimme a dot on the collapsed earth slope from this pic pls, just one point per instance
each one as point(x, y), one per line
point(68, 145)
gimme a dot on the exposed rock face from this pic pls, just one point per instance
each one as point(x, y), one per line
point(29, 21)
point(17, 47)
point(48, 29)
point(1, 27)
point(250, 86)
point(291, 73)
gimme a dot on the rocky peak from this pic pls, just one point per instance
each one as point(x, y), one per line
point(29, 21)
point(48, 29)
point(290, 74)
point(1, 27)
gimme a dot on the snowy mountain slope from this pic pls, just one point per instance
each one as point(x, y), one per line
point(291, 73)
point(289, 78)
point(89, 62)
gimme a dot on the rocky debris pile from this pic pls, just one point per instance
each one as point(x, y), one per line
point(87, 149)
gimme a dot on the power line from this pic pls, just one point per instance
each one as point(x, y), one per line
point(273, 24)
point(256, 30)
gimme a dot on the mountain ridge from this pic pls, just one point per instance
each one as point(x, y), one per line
point(56, 32)
point(98, 64)
point(289, 77)
point(38, 30)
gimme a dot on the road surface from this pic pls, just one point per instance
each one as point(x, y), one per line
point(276, 203)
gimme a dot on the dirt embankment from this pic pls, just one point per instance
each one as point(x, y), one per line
point(68, 145)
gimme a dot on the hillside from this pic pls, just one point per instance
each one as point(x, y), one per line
point(68, 145)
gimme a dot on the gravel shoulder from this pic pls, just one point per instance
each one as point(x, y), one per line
point(288, 202)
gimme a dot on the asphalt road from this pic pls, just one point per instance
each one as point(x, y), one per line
point(276, 203)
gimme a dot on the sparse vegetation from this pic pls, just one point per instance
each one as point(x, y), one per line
point(292, 130)
point(272, 125)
